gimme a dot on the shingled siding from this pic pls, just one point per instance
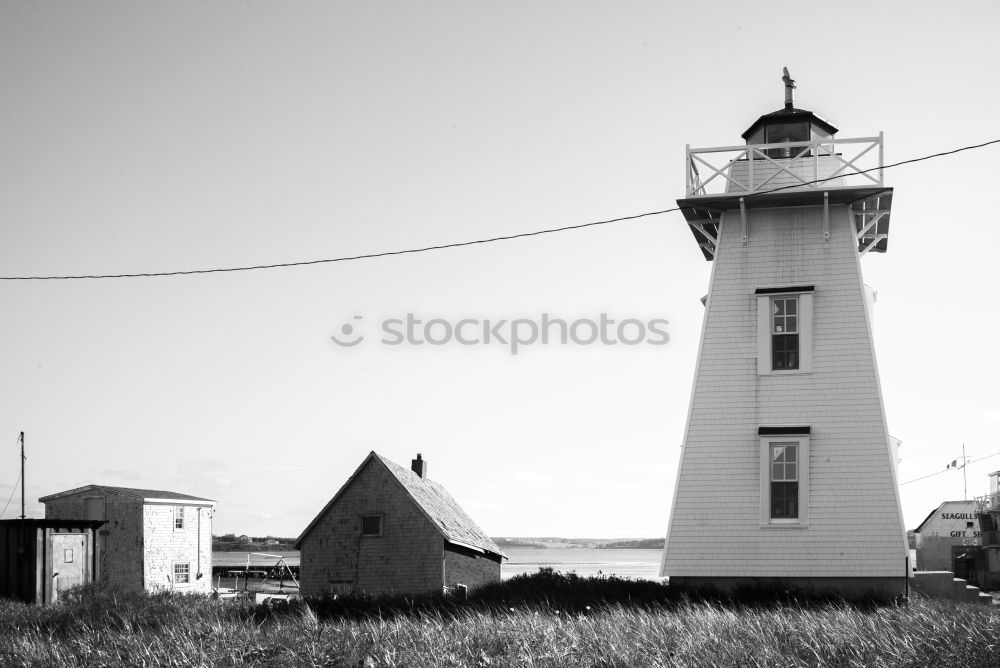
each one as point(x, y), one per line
point(469, 569)
point(167, 546)
point(855, 527)
point(120, 540)
point(406, 558)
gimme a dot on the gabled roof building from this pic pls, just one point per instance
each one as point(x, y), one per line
point(151, 539)
point(390, 530)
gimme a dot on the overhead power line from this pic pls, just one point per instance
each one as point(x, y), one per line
point(931, 475)
point(460, 244)
point(11, 497)
point(366, 256)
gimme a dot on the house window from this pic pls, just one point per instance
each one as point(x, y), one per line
point(784, 476)
point(784, 330)
point(94, 509)
point(371, 525)
point(178, 517)
point(182, 574)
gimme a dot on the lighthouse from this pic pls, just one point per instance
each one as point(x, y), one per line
point(787, 472)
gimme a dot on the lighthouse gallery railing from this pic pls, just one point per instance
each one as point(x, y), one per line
point(761, 168)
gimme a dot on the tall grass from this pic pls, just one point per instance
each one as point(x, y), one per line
point(542, 620)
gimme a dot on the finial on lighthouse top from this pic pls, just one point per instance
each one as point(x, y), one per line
point(789, 87)
point(788, 124)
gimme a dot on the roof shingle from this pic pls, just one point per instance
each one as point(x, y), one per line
point(436, 503)
point(443, 510)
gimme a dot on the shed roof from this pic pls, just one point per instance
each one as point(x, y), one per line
point(436, 503)
point(134, 492)
point(49, 523)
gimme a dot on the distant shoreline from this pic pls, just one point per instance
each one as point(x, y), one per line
point(583, 543)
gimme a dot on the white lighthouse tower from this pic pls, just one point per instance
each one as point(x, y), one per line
point(787, 472)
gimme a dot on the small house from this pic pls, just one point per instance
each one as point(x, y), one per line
point(151, 540)
point(391, 530)
point(42, 559)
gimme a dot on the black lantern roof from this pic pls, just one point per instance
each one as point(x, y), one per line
point(790, 114)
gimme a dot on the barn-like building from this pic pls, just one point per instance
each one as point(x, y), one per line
point(151, 539)
point(390, 530)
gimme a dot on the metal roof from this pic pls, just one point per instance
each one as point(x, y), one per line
point(134, 492)
point(435, 502)
point(787, 114)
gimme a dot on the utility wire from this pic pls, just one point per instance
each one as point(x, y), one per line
point(366, 256)
point(865, 171)
point(12, 490)
point(931, 475)
point(460, 244)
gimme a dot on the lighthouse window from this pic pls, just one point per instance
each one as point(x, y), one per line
point(784, 333)
point(784, 481)
point(782, 133)
point(784, 329)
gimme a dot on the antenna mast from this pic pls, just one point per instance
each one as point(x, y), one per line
point(22, 475)
point(965, 479)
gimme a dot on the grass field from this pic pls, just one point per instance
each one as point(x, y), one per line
point(541, 620)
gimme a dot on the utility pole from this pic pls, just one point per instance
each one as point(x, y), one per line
point(965, 478)
point(22, 475)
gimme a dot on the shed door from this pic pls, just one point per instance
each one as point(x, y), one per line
point(69, 562)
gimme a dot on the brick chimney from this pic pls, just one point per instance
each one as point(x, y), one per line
point(419, 466)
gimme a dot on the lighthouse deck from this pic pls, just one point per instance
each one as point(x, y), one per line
point(827, 172)
point(757, 169)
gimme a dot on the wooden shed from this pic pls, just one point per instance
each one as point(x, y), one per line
point(390, 530)
point(42, 559)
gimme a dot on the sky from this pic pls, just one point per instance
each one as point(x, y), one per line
point(142, 137)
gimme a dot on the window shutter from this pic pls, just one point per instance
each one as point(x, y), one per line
point(763, 334)
point(805, 331)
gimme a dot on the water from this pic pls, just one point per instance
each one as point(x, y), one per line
point(635, 564)
point(239, 559)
